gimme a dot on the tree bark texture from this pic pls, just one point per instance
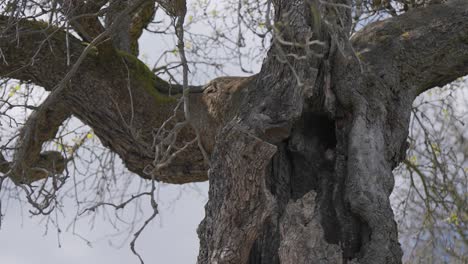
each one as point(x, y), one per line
point(340, 123)
point(301, 153)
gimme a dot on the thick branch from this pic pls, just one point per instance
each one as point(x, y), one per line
point(35, 52)
point(118, 96)
point(173, 7)
point(83, 17)
point(29, 163)
point(32, 51)
point(421, 49)
point(132, 24)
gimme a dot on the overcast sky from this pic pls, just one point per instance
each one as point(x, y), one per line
point(172, 240)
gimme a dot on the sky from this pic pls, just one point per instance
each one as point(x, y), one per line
point(170, 239)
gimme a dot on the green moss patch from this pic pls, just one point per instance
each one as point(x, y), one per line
point(146, 77)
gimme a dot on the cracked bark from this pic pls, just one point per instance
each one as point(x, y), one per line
point(332, 174)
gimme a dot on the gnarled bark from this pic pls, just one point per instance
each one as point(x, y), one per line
point(345, 153)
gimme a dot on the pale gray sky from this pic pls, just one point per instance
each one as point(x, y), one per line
point(172, 240)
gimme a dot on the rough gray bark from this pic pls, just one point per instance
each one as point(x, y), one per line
point(302, 234)
point(301, 153)
point(331, 177)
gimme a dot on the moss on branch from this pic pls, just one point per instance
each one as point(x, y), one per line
point(146, 77)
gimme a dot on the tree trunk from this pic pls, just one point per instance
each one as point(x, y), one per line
point(339, 123)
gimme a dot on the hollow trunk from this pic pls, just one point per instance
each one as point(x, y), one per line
point(304, 173)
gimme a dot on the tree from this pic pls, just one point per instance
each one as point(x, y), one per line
point(299, 156)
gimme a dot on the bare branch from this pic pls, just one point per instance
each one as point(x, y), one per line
point(421, 49)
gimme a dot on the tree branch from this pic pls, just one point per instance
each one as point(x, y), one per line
point(33, 51)
point(29, 163)
point(116, 95)
point(131, 25)
point(420, 49)
point(83, 17)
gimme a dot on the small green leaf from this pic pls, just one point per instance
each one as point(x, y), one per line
point(435, 147)
point(445, 112)
point(454, 219)
point(414, 160)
